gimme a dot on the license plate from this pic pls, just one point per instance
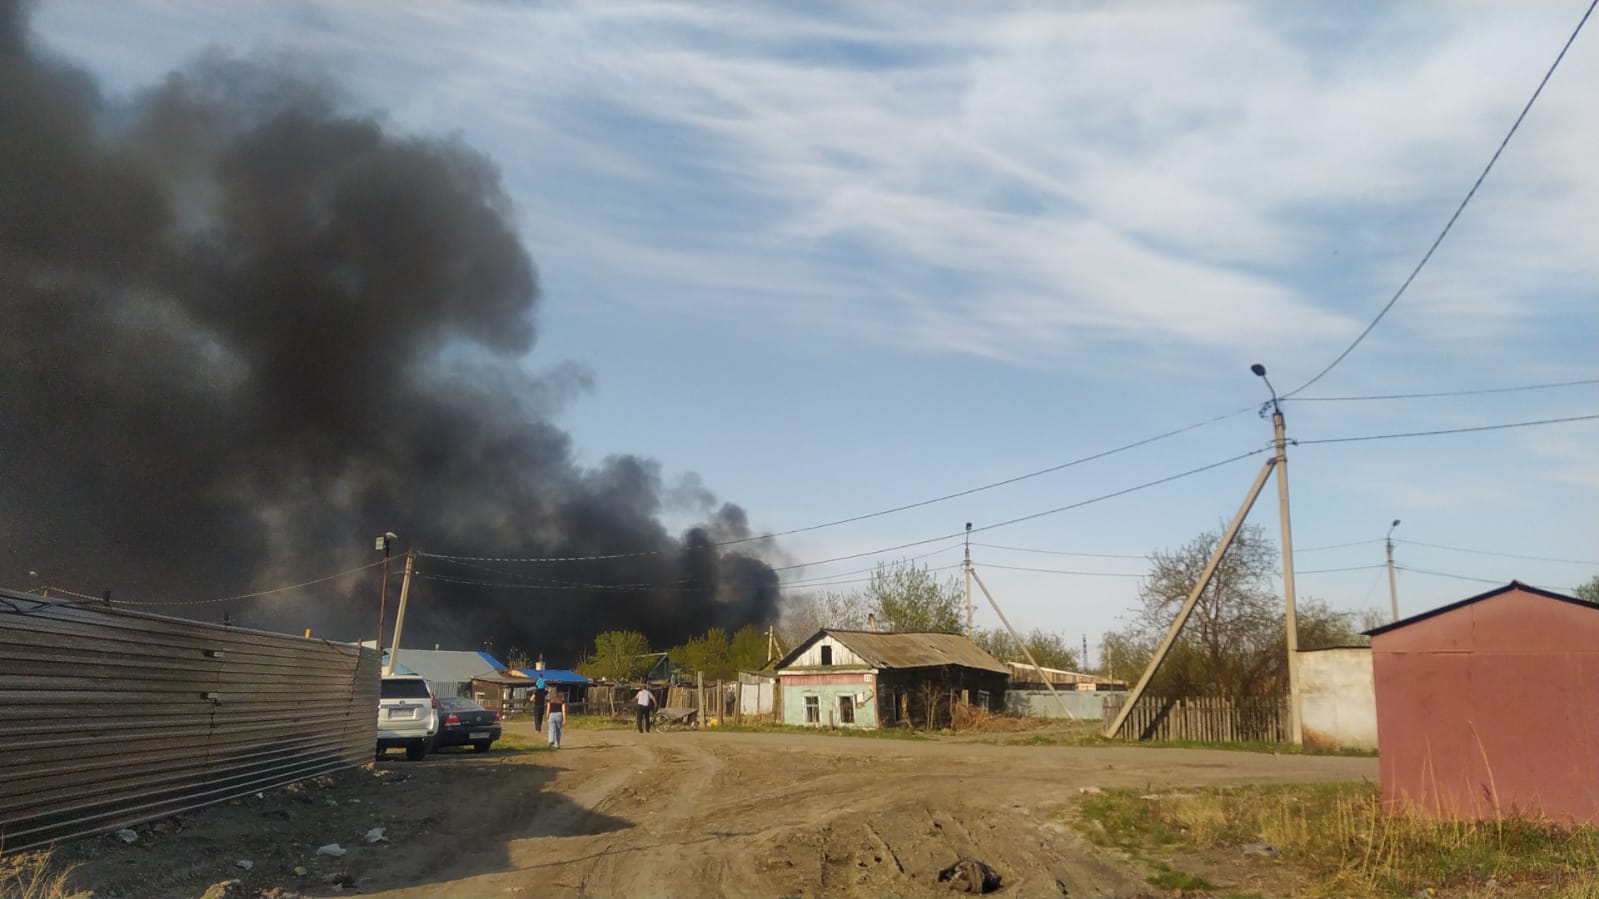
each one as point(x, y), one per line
point(478, 735)
point(402, 713)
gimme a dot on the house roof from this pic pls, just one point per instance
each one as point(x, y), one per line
point(1497, 591)
point(555, 676)
point(906, 650)
point(446, 665)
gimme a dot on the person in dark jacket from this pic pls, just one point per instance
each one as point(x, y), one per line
point(540, 695)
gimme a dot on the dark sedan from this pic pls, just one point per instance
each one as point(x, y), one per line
point(463, 722)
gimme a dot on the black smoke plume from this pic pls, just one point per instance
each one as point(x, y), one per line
point(243, 331)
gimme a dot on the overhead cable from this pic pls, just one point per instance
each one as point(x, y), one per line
point(1458, 209)
point(1501, 427)
point(1444, 393)
point(255, 595)
point(1503, 555)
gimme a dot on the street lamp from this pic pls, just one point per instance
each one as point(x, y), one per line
point(384, 543)
point(1393, 590)
point(44, 589)
point(1295, 705)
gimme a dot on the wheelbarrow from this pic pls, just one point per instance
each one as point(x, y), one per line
point(672, 719)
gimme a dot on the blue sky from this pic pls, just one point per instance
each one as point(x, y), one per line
point(839, 258)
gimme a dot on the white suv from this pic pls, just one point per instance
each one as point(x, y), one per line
point(408, 716)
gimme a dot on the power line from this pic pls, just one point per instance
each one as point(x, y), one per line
point(1033, 516)
point(1336, 570)
point(257, 594)
point(1514, 424)
point(854, 518)
point(1312, 549)
point(1059, 552)
point(1055, 570)
point(823, 582)
point(1458, 210)
point(943, 549)
point(1420, 396)
point(1487, 552)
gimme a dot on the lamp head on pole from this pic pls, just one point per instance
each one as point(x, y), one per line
point(1260, 372)
point(1392, 526)
point(384, 541)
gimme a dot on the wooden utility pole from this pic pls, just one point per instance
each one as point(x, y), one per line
point(1025, 651)
point(1222, 546)
point(699, 689)
point(399, 620)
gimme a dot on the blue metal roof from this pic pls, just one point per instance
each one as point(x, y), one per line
point(554, 675)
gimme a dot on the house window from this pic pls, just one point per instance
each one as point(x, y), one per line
point(982, 699)
point(813, 710)
point(846, 710)
point(827, 655)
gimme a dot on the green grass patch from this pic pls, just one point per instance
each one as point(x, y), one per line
point(1338, 836)
point(1168, 878)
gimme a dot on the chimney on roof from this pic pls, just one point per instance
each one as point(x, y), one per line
point(539, 665)
point(871, 622)
point(435, 647)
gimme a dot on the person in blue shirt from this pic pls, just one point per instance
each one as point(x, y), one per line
point(540, 695)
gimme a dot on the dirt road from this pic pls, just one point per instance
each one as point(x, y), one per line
point(615, 813)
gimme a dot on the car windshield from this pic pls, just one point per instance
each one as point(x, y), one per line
point(454, 704)
point(405, 688)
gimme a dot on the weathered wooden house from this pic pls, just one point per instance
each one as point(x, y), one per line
point(868, 679)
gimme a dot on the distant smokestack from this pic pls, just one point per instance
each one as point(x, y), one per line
point(871, 622)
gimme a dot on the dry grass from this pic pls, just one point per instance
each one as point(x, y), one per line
point(35, 875)
point(1339, 836)
point(970, 719)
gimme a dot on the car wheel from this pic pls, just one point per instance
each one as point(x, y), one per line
point(416, 751)
point(482, 745)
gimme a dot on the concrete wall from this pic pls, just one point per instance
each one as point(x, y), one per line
point(1339, 698)
point(826, 689)
point(1039, 704)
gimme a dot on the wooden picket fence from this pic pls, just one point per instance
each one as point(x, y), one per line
point(1211, 719)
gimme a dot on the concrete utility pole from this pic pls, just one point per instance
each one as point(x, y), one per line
point(399, 619)
point(1393, 590)
point(1295, 708)
point(968, 566)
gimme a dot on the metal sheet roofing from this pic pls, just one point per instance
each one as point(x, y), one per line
point(556, 676)
point(892, 650)
point(447, 666)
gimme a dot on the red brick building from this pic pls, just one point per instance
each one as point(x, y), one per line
point(1490, 706)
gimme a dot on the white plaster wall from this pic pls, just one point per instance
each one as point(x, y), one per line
point(1339, 698)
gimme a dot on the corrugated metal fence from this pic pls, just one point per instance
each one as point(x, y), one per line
point(1203, 718)
point(109, 717)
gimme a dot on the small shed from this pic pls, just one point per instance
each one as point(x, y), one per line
point(1489, 707)
point(869, 679)
point(510, 692)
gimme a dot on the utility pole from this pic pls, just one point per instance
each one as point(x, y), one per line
point(384, 542)
point(1393, 590)
point(968, 566)
point(1084, 660)
point(399, 619)
point(1295, 727)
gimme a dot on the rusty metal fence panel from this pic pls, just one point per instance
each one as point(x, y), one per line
point(109, 717)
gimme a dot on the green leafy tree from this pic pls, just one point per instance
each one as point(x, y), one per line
point(1050, 650)
point(908, 598)
point(619, 657)
point(748, 648)
point(1588, 592)
point(710, 653)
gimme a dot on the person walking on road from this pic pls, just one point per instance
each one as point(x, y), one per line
point(646, 705)
point(557, 717)
point(539, 695)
